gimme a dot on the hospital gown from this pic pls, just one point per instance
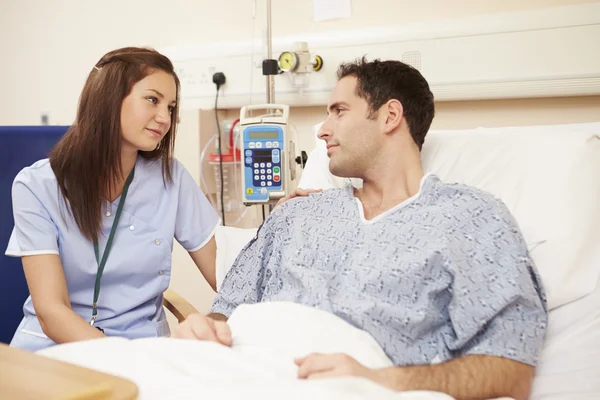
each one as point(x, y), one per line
point(444, 274)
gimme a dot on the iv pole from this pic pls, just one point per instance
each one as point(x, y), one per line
point(270, 69)
point(270, 76)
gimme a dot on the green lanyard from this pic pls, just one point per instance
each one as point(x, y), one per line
point(102, 263)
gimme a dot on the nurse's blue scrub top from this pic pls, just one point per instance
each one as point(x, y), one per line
point(138, 269)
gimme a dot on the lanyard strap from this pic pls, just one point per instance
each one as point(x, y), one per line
point(109, 242)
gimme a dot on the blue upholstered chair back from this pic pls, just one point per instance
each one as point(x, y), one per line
point(20, 146)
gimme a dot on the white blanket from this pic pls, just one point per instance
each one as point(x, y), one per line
point(266, 339)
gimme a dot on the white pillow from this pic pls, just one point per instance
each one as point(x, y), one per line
point(549, 178)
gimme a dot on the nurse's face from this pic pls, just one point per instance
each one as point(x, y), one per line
point(146, 112)
point(350, 135)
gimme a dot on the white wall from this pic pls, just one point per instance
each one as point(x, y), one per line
point(47, 48)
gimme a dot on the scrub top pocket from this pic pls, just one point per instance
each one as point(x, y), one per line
point(30, 336)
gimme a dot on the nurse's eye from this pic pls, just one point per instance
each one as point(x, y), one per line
point(171, 109)
point(152, 99)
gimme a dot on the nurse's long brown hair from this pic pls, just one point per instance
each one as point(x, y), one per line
point(87, 160)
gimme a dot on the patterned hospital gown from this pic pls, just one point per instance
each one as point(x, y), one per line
point(442, 275)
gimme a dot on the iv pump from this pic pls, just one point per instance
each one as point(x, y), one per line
point(268, 165)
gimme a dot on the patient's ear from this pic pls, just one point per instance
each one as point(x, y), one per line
point(393, 112)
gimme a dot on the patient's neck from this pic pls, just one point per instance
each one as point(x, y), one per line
point(391, 181)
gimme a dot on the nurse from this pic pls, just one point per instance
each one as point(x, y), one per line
point(95, 223)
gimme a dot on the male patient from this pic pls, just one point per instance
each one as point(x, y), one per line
point(437, 273)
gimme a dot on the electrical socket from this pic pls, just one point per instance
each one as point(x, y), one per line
point(219, 79)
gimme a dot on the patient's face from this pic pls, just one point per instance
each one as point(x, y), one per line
point(351, 137)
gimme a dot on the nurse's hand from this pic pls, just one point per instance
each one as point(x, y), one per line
point(296, 193)
point(200, 327)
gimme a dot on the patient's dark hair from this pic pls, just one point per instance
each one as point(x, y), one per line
point(381, 81)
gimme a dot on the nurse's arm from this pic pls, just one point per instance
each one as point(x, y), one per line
point(206, 261)
point(48, 289)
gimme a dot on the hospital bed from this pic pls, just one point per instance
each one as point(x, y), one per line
point(548, 176)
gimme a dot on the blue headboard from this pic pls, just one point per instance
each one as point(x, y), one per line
point(20, 146)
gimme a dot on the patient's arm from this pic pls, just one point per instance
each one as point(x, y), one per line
point(471, 377)
point(468, 377)
point(246, 279)
point(242, 285)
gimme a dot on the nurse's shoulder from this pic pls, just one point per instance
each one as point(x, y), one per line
point(154, 169)
point(39, 176)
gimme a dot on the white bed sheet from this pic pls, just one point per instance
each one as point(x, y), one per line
point(266, 339)
point(569, 366)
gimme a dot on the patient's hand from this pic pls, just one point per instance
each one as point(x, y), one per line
point(317, 366)
point(200, 327)
point(298, 192)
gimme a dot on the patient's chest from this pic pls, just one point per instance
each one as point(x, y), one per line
point(386, 277)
